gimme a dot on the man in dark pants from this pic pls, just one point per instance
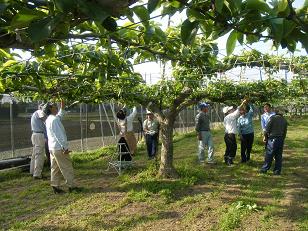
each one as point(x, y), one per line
point(275, 134)
point(151, 128)
point(230, 124)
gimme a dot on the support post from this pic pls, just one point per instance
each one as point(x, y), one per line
point(81, 128)
point(12, 129)
point(101, 123)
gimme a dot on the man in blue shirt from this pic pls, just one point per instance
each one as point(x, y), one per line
point(38, 141)
point(246, 131)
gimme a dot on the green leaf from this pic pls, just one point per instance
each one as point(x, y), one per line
point(110, 24)
point(175, 4)
point(160, 34)
point(231, 42)
point(240, 37)
point(9, 63)
point(152, 5)
point(25, 17)
point(288, 27)
point(5, 54)
point(282, 5)
point(277, 28)
point(93, 10)
point(219, 5)
point(194, 15)
point(142, 13)
point(65, 5)
point(40, 30)
point(259, 5)
point(188, 31)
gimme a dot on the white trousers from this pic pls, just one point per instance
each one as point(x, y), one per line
point(38, 154)
point(61, 165)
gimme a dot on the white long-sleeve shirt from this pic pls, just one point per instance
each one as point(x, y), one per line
point(56, 134)
point(126, 125)
point(230, 122)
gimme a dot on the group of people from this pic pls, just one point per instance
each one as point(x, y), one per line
point(48, 135)
point(127, 135)
point(239, 121)
point(46, 125)
point(47, 128)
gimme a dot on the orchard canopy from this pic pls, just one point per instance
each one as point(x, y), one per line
point(85, 50)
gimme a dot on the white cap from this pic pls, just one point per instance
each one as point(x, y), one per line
point(40, 113)
point(149, 112)
point(226, 109)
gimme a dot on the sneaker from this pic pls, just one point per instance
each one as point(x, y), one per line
point(39, 177)
point(211, 162)
point(201, 161)
point(262, 171)
point(75, 189)
point(276, 172)
point(57, 190)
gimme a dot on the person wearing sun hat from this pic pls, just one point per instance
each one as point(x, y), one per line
point(202, 128)
point(151, 129)
point(230, 124)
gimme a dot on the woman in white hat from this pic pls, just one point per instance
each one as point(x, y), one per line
point(151, 128)
point(230, 124)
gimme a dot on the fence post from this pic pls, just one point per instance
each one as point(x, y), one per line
point(12, 128)
point(81, 128)
point(87, 117)
point(101, 122)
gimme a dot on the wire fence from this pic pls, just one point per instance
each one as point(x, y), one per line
point(88, 126)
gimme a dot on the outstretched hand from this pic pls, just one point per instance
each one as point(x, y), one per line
point(62, 104)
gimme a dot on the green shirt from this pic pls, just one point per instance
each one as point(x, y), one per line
point(202, 122)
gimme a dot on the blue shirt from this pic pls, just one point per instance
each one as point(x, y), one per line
point(37, 122)
point(265, 118)
point(244, 123)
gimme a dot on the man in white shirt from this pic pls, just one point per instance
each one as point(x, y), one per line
point(61, 163)
point(230, 124)
point(126, 128)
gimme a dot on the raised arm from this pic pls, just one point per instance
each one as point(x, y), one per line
point(61, 112)
point(133, 114)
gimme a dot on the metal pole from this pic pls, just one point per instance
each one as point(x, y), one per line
point(81, 128)
point(12, 128)
point(87, 120)
point(114, 121)
point(108, 120)
point(101, 122)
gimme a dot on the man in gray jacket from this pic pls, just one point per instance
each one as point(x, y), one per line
point(275, 134)
point(204, 134)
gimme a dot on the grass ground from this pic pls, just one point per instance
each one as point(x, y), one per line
point(205, 197)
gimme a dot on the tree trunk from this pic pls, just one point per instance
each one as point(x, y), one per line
point(166, 169)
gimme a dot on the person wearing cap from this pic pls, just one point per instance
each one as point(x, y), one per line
point(204, 134)
point(125, 124)
point(230, 124)
point(246, 131)
point(151, 129)
point(61, 163)
point(38, 141)
point(268, 113)
point(275, 134)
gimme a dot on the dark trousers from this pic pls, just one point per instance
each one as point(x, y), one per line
point(231, 147)
point(274, 149)
point(152, 143)
point(246, 146)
